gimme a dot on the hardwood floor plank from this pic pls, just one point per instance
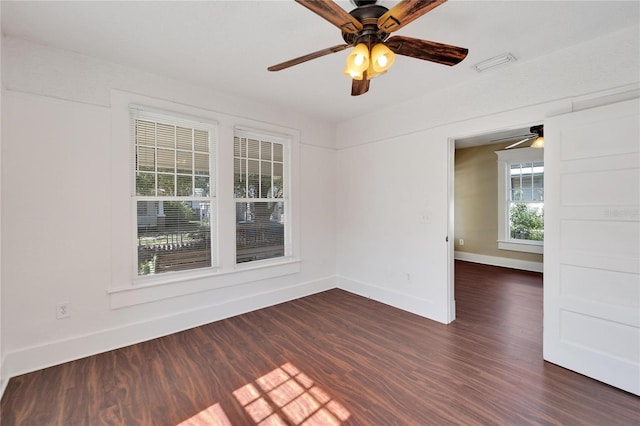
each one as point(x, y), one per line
point(335, 358)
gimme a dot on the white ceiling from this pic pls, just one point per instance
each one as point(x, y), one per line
point(228, 45)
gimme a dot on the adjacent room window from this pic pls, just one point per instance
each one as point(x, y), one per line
point(521, 199)
point(174, 192)
point(261, 164)
point(526, 203)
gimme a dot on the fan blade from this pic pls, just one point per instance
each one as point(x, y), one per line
point(359, 87)
point(333, 13)
point(513, 145)
point(405, 12)
point(310, 56)
point(427, 50)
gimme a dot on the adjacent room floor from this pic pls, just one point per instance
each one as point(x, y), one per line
point(335, 358)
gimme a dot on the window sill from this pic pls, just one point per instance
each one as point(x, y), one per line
point(151, 289)
point(524, 246)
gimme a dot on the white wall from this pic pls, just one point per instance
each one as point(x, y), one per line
point(60, 174)
point(393, 164)
point(384, 251)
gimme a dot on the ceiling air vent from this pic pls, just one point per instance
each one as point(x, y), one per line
point(495, 61)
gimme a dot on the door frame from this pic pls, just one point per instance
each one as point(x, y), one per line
point(451, 165)
point(503, 122)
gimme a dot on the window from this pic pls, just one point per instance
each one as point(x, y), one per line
point(174, 192)
point(526, 203)
point(171, 233)
point(261, 196)
point(521, 199)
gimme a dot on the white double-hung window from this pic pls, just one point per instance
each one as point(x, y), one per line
point(261, 191)
point(173, 233)
point(521, 199)
point(174, 191)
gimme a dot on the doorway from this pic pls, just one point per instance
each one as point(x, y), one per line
point(476, 201)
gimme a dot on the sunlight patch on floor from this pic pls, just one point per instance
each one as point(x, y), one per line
point(283, 396)
point(212, 416)
point(289, 393)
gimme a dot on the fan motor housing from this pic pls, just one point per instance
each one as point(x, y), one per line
point(368, 16)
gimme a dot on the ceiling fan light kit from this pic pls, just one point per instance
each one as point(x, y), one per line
point(538, 143)
point(367, 28)
point(382, 58)
point(365, 64)
point(357, 62)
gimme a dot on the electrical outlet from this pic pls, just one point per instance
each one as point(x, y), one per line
point(461, 242)
point(63, 310)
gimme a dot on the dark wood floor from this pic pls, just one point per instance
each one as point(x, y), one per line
point(335, 358)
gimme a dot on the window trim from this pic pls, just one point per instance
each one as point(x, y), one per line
point(505, 159)
point(180, 285)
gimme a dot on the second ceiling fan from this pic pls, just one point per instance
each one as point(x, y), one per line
point(367, 29)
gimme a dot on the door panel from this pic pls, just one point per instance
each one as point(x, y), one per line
point(592, 243)
point(597, 188)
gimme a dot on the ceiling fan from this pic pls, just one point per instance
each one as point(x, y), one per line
point(367, 29)
point(537, 135)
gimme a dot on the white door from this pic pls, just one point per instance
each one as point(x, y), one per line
point(592, 243)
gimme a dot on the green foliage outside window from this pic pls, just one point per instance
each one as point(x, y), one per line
point(527, 223)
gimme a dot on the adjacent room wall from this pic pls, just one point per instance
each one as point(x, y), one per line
point(393, 165)
point(476, 206)
point(58, 173)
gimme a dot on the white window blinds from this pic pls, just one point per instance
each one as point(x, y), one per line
point(174, 191)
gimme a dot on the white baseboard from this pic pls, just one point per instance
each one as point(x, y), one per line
point(53, 353)
point(505, 262)
point(419, 306)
